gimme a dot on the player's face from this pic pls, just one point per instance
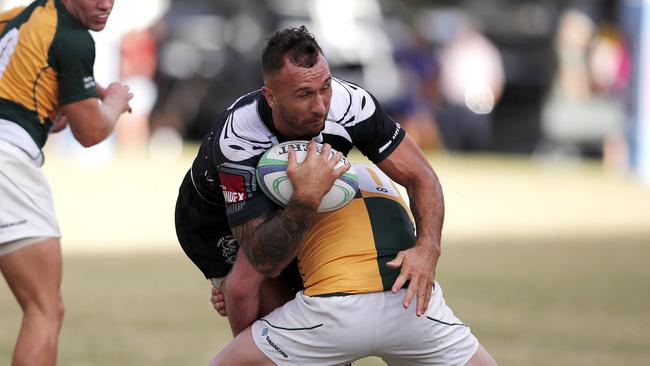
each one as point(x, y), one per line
point(300, 99)
point(92, 14)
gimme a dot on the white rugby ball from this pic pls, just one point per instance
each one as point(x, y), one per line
point(274, 182)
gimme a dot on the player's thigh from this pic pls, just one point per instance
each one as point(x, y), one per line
point(318, 331)
point(26, 206)
point(436, 338)
point(34, 273)
point(242, 351)
point(203, 232)
point(274, 292)
point(481, 358)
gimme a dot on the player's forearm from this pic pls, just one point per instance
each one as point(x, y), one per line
point(272, 244)
point(428, 208)
point(92, 124)
point(242, 294)
point(92, 120)
point(410, 168)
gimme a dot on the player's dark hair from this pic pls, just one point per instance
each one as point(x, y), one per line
point(297, 44)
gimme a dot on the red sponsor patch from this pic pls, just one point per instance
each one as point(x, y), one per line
point(234, 187)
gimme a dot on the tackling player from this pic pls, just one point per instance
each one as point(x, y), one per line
point(300, 99)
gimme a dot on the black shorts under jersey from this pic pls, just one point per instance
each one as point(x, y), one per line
point(205, 236)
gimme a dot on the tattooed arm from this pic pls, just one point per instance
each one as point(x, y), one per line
point(272, 241)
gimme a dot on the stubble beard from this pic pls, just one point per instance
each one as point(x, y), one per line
point(299, 129)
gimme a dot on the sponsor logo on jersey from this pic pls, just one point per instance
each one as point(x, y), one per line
point(237, 182)
point(233, 196)
point(397, 128)
point(89, 82)
point(233, 208)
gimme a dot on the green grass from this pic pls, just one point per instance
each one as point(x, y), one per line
point(555, 303)
point(535, 303)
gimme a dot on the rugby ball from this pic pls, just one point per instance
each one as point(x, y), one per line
point(274, 182)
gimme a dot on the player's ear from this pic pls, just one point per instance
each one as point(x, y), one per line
point(268, 94)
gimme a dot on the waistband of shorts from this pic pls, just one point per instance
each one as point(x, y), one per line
point(15, 135)
point(339, 294)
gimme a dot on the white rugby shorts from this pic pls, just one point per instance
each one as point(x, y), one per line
point(26, 208)
point(339, 329)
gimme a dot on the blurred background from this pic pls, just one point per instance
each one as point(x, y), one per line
point(535, 115)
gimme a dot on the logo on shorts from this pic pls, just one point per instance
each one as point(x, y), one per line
point(10, 224)
point(265, 334)
point(229, 247)
point(275, 347)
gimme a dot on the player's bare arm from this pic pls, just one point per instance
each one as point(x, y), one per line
point(92, 120)
point(272, 241)
point(410, 168)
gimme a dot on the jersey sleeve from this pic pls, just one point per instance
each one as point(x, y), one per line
point(7, 16)
point(243, 198)
point(74, 59)
point(372, 130)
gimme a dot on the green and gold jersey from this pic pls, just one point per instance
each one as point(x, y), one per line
point(46, 60)
point(346, 251)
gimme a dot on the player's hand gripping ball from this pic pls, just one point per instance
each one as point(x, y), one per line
point(274, 182)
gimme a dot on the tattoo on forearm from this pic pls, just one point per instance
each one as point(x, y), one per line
point(271, 242)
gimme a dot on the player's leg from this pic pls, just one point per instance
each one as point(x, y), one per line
point(242, 351)
point(249, 296)
point(34, 275)
point(277, 291)
point(436, 338)
point(481, 358)
point(274, 293)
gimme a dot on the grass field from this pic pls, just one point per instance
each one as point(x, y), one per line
point(546, 262)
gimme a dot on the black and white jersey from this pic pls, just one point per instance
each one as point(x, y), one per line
point(224, 170)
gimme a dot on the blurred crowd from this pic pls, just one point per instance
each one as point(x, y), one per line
point(548, 78)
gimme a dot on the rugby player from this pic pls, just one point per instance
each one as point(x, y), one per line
point(46, 83)
point(220, 208)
